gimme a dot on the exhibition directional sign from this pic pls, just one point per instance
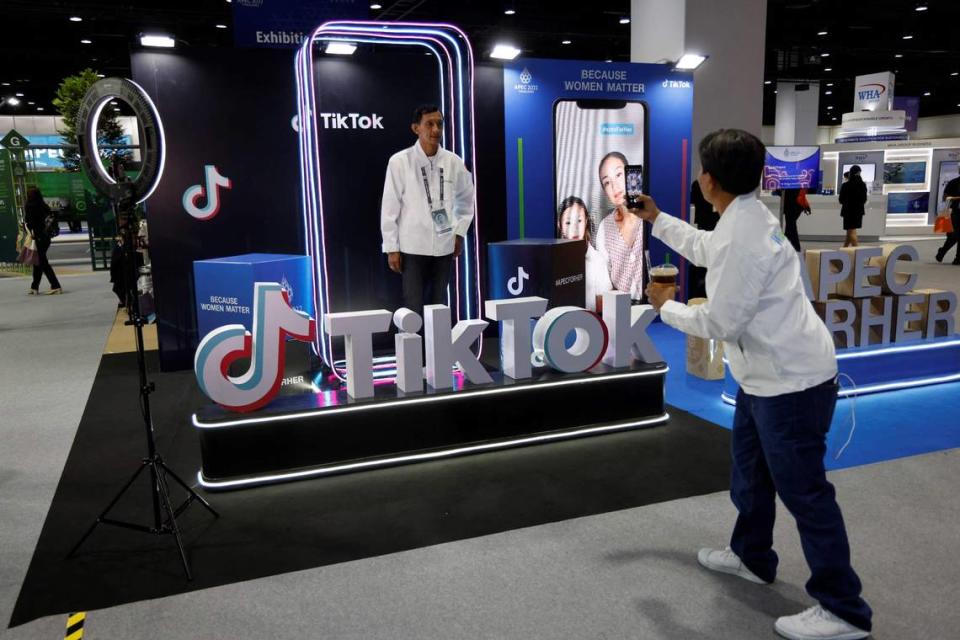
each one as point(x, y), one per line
point(14, 141)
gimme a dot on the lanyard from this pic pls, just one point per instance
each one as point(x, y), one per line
point(426, 187)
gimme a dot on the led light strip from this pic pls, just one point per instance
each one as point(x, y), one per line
point(456, 395)
point(876, 388)
point(416, 33)
point(422, 457)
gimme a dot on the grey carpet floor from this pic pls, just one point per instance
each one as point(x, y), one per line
point(50, 348)
point(628, 574)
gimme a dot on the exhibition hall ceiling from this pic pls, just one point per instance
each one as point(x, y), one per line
point(829, 41)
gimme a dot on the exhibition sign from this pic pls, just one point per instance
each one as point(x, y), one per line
point(791, 168)
point(350, 122)
point(873, 92)
point(283, 24)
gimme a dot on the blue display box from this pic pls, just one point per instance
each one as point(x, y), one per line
point(545, 267)
point(224, 287)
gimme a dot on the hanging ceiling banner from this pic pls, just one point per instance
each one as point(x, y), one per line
point(283, 24)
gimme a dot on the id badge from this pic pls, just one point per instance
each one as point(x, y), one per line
point(441, 221)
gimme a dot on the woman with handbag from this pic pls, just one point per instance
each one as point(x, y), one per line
point(36, 217)
point(951, 196)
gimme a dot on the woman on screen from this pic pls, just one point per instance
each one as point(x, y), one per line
point(573, 224)
point(620, 233)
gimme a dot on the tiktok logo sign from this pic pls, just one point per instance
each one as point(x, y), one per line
point(213, 182)
point(515, 284)
point(273, 320)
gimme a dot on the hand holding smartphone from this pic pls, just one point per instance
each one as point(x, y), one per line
point(634, 183)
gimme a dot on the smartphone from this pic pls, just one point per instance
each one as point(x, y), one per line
point(585, 133)
point(634, 179)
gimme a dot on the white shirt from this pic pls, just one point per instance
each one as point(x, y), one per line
point(773, 339)
point(405, 220)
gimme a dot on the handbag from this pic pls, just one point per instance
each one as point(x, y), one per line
point(943, 224)
point(29, 254)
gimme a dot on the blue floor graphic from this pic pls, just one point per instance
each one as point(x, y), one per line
point(890, 425)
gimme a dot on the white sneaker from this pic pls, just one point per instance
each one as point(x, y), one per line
point(726, 561)
point(816, 623)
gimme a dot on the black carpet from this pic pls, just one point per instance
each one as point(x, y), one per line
point(277, 529)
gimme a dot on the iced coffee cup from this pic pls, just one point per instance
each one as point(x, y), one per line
point(664, 276)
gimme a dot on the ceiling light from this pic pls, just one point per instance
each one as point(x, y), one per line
point(76, 19)
point(821, 33)
point(13, 101)
point(31, 102)
point(828, 93)
point(624, 20)
point(7, 84)
point(775, 91)
point(824, 55)
point(768, 82)
point(921, 7)
point(829, 84)
point(565, 42)
point(829, 106)
point(509, 12)
point(834, 119)
point(85, 41)
point(100, 75)
point(221, 26)
point(898, 55)
point(955, 73)
point(908, 37)
point(376, 7)
point(690, 61)
point(608, 60)
point(41, 108)
point(19, 95)
point(829, 69)
point(926, 93)
point(504, 52)
point(157, 40)
point(341, 48)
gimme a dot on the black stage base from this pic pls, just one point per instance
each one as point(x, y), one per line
point(316, 434)
point(281, 528)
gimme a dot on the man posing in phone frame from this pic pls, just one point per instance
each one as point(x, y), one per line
point(783, 357)
point(426, 211)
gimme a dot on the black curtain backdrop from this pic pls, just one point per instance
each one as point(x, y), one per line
point(233, 109)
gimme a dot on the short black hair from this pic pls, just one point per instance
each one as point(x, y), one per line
point(734, 158)
point(612, 154)
point(422, 110)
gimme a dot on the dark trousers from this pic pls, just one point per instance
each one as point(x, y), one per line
point(790, 230)
point(421, 273)
point(778, 448)
point(953, 237)
point(44, 268)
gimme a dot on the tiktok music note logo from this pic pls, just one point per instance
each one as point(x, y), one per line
point(515, 284)
point(273, 320)
point(213, 182)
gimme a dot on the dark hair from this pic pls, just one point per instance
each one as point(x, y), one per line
point(34, 196)
point(846, 174)
point(568, 202)
point(422, 110)
point(612, 154)
point(734, 158)
point(855, 170)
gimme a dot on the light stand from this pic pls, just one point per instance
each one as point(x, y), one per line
point(124, 196)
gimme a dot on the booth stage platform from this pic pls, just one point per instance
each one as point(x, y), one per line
point(326, 432)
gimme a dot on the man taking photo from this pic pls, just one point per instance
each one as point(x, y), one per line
point(783, 357)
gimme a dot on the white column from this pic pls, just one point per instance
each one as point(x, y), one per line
point(728, 87)
point(798, 106)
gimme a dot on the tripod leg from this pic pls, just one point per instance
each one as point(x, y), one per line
point(168, 506)
point(104, 513)
point(193, 494)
